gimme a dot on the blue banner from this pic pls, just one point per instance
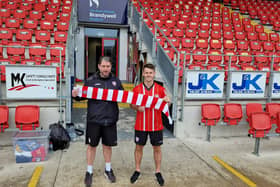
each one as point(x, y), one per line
point(103, 11)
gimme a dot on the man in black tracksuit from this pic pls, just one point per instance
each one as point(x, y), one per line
point(102, 117)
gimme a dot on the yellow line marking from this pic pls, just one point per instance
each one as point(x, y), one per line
point(36, 176)
point(235, 172)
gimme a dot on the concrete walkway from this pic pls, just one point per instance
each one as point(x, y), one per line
point(185, 162)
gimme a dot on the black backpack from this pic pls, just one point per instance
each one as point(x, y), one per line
point(59, 137)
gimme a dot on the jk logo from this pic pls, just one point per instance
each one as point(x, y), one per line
point(276, 86)
point(18, 78)
point(203, 81)
point(246, 82)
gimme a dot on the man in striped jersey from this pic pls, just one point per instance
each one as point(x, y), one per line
point(102, 117)
point(148, 122)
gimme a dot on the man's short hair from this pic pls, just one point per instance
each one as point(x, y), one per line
point(104, 58)
point(149, 66)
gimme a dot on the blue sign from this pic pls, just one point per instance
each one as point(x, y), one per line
point(103, 11)
point(204, 84)
point(276, 85)
point(248, 84)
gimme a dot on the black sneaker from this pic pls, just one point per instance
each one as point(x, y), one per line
point(134, 177)
point(110, 176)
point(160, 179)
point(88, 179)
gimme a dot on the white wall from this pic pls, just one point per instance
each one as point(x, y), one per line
point(123, 56)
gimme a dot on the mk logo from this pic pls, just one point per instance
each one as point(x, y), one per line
point(18, 79)
point(246, 82)
point(203, 81)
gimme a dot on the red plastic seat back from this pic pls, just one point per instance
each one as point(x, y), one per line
point(232, 113)
point(252, 108)
point(210, 113)
point(278, 122)
point(260, 123)
point(4, 117)
point(27, 117)
point(272, 109)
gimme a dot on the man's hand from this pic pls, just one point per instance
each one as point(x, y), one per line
point(141, 108)
point(75, 92)
point(166, 99)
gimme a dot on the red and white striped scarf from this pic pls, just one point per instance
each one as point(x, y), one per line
point(124, 96)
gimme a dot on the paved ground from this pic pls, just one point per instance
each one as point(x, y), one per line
point(185, 163)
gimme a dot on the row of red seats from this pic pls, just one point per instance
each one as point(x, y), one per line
point(49, 25)
point(24, 36)
point(204, 43)
point(233, 114)
point(26, 117)
point(16, 51)
point(40, 5)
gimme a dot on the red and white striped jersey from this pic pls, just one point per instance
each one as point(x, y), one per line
point(150, 119)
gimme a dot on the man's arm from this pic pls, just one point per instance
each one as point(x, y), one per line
point(138, 108)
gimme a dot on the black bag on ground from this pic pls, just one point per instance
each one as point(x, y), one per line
point(59, 137)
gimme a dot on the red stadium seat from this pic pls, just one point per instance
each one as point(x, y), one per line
point(19, 14)
point(36, 15)
point(37, 52)
point(239, 35)
point(232, 113)
point(268, 46)
point(181, 25)
point(188, 43)
point(259, 28)
point(204, 26)
point(252, 36)
point(272, 109)
point(5, 13)
point(24, 36)
point(66, 9)
point(216, 26)
point(50, 16)
point(40, 7)
point(199, 56)
point(46, 25)
point(215, 44)
point(260, 124)
point(201, 43)
point(27, 117)
point(30, 24)
point(214, 57)
point(255, 46)
point(43, 36)
point(12, 24)
point(62, 26)
point(274, 37)
point(216, 34)
point(170, 23)
point(193, 25)
point(3, 63)
point(64, 16)
point(178, 33)
point(278, 123)
point(228, 35)
point(242, 45)
point(229, 45)
point(263, 36)
point(6, 35)
point(4, 118)
point(252, 108)
point(60, 37)
point(16, 51)
point(210, 114)
point(203, 34)
point(190, 33)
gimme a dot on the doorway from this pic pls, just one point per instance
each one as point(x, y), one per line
point(96, 47)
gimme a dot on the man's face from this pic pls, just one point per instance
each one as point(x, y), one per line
point(105, 68)
point(148, 74)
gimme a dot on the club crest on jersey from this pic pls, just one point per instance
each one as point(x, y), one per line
point(114, 83)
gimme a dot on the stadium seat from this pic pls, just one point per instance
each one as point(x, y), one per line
point(27, 117)
point(5, 13)
point(203, 34)
point(199, 56)
point(12, 24)
point(260, 124)
point(46, 25)
point(6, 35)
point(210, 114)
point(201, 43)
point(50, 16)
point(228, 35)
point(272, 109)
point(43, 37)
point(190, 33)
point(60, 37)
point(40, 7)
point(19, 14)
point(62, 26)
point(188, 43)
point(36, 15)
point(215, 44)
point(215, 57)
point(277, 130)
point(232, 113)
point(252, 108)
point(64, 16)
point(24, 36)
point(30, 24)
point(4, 117)
point(16, 51)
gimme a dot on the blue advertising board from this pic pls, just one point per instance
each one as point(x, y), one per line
point(204, 84)
point(275, 93)
point(247, 84)
point(103, 11)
